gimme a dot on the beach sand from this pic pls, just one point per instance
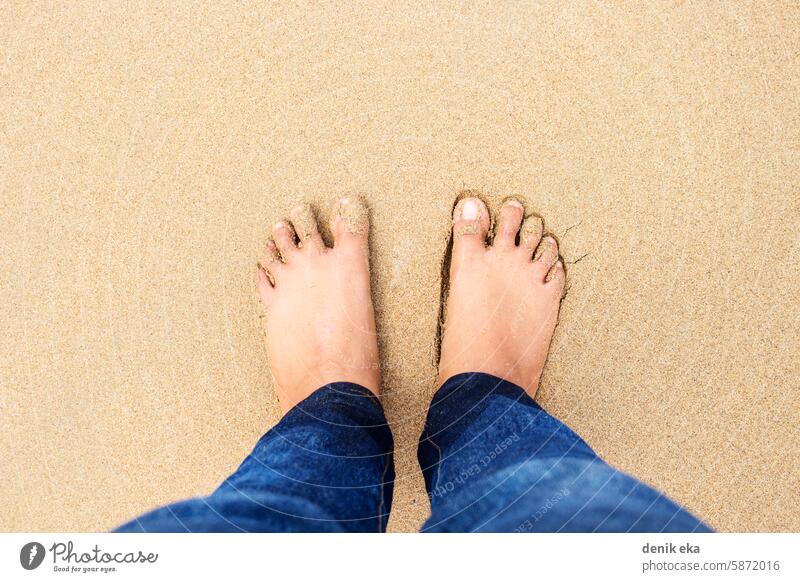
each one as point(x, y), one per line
point(145, 153)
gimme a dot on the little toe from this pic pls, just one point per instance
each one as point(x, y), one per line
point(511, 214)
point(350, 224)
point(265, 273)
point(530, 233)
point(305, 225)
point(266, 290)
point(284, 237)
point(556, 278)
point(470, 225)
point(545, 257)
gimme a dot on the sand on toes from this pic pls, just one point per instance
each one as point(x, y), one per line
point(502, 298)
point(320, 322)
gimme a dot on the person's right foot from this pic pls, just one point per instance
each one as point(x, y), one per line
point(503, 300)
point(320, 325)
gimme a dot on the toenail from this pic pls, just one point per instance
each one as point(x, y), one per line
point(470, 210)
point(554, 272)
point(353, 214)
point(279, 225)
point(515, 204)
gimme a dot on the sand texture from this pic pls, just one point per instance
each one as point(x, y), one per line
point(145, 153)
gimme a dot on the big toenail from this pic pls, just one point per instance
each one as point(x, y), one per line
point(354, 216)
point(470, 209)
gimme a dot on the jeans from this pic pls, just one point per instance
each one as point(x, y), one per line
point(493, 461)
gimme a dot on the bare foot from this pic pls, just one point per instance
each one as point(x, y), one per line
point(320, 323)
point(503, 300)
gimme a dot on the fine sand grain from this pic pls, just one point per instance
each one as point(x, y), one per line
point(146, 151)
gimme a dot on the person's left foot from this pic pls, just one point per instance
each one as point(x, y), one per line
point(320, 323)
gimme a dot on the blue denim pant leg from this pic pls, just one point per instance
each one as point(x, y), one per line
point(326, 466)
point(494, 460)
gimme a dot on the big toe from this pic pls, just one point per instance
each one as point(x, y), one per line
point(350, 224)
point(470, 225)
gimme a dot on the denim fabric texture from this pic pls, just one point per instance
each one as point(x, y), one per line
point(327, 466)
point(493, 461)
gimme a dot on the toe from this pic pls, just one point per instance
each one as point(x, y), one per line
point(511, 214)
point(284, 237)
point(530, 233)
point(266, 291)
point(265, 273)
point(350, 224)
point(470, 225)
point(270, 260)
point(269, 255)
point(305, 225)
point(556, 277)
point(545, 257)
